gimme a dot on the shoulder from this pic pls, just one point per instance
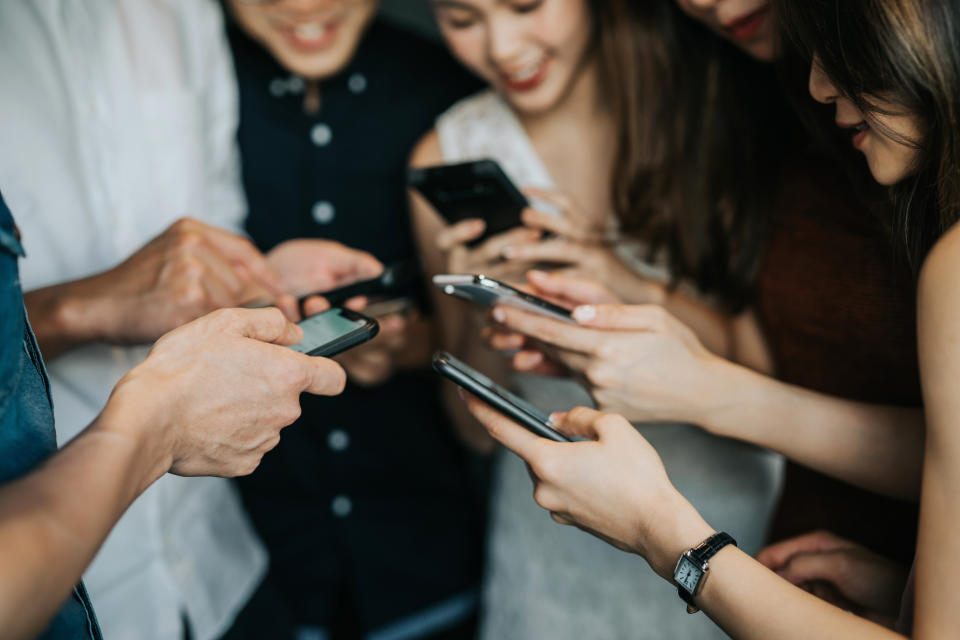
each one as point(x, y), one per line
point(942, 265)
point(427, 152)
point(938, 299)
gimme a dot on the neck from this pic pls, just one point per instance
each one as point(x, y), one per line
point(582, 104)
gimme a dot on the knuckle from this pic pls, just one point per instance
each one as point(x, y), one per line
point(191, 294)
point(186, 239)
point(597, 375)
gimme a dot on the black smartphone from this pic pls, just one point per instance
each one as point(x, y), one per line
point(507, 403)
point(478, 189)
point(334, 331)
point(488, 292)
point(393, 282)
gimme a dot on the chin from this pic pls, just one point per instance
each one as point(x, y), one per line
point(314, 67)
point(538, 102)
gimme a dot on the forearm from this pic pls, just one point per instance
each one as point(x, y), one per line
point(65, 316)
point(736, 338)
point(53, 520)
point(750, 602)
point(875, 447)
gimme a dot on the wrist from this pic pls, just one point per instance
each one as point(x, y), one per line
point(722, 384)
point(679, 527)
point(129, 415)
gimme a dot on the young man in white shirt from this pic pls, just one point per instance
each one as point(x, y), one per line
point(119, 121)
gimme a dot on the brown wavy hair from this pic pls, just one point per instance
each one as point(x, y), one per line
point(906, 52)
point(696, 163)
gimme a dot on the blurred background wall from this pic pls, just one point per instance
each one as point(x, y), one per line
point(415, 14)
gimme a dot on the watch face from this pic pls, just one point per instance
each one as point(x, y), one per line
point(687, 574)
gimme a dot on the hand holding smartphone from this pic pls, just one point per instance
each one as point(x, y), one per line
point(334, 331)
point(489, 293)
point(478, 189)
point(487, 390)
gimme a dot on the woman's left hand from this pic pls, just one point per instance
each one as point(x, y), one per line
point(584, 248)
point(612, 485)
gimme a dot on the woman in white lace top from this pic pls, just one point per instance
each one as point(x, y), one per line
point(557, 119)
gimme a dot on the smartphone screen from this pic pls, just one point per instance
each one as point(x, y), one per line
point(334, 331)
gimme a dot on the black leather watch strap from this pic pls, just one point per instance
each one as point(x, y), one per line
point(701, 554)
point(709, 547)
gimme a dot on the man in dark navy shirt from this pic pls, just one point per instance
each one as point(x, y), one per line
point(371, 517)
point(209, 400)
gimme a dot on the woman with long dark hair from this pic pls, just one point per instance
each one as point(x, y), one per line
point(891, 69)
point(570, 111)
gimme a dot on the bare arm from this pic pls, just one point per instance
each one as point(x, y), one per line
point(614, 486)
point(938, 557)
point(457, 324)
point(209, 400)
point(643, 363)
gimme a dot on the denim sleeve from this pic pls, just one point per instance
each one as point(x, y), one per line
point(26, 415)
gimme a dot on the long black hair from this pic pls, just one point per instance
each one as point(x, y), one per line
point(905, 53)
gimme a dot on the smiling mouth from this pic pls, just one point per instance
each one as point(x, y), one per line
point(859, 132)
point(526, 77)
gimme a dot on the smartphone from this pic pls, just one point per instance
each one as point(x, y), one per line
point(395, 279)
point(496, 396)
point(334, 331)
point(478, 189)
point(488, 292)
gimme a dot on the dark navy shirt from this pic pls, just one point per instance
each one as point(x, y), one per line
point(367, 503)
point(26, 411)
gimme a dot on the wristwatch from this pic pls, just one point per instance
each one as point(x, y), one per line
point(692, 567)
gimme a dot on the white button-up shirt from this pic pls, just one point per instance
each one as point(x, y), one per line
point(116, 118)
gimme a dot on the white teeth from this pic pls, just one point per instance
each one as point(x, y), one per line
point(312, 32)
point(527, 72)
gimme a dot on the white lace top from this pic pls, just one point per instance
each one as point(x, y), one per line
point(548, 581)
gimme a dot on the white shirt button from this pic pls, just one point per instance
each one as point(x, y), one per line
point(323, 212)
point(338, 440)
point(321, 135)
point(357, 83)
point(341, 506)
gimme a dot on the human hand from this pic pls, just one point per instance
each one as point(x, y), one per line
point(613, 485)
point(486, 258)
point(637, 360)
point(585, 246)
point(213, 395)
point(188, 270)
point(375, 362)
point(840, 572)
point(309, 265)
point(565, 291)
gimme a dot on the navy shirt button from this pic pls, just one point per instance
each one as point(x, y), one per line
point(357, 83)
point(278, 87)
point(295, 84)
point(338, 440)
point(323, 212)
point(341, 506)
point(321, 135)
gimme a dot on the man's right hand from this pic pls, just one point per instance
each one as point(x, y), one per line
point(213, 395)
point(188, 270)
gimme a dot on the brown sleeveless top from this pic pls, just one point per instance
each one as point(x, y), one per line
point(838, 309)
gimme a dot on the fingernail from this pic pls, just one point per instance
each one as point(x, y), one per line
point(557, 417)
point(499, 315)
point(585, 313)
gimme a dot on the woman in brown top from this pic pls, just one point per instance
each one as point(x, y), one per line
point(891, 70)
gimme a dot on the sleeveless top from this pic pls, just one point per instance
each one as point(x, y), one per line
point(548, 581)
point(838, 309)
